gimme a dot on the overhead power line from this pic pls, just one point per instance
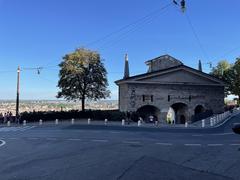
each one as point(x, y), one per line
point(133, 29)
point(130, 25)
point(196, 36)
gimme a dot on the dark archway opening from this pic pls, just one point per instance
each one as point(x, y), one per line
point(148, 113)
point(182, 119)
point(199, 109)
point(181, 112)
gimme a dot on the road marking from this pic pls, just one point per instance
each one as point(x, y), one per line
point(74, 139)
point(215, 144)
point(234, 144)
point(222, 134)
point(2, 143)
point(192, 144)
point(115, 132)
point(197, 135)
point(131, 142)
point(164, 144)
point(99, 140)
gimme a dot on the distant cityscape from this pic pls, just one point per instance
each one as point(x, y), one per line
point(55, 105)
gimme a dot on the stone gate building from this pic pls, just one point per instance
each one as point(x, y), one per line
point(170, 91)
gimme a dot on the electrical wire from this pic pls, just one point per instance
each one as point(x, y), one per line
point(196, 36)
point(123, 28)
point(132, 30)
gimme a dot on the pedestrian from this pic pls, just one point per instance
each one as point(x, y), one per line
point(1, 117)
point(10, 116)
point(141, 119)
point(5, 118)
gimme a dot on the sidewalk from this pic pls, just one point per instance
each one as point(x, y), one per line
point(212, 121)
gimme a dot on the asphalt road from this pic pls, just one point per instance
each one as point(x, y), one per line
point(85, 152)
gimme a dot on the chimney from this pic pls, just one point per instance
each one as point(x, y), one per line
point(126, 68)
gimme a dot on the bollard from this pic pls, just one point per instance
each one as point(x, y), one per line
point(8, 123)
point(203, 123)
point(24, 123)
point(211, 122)
point(105, 121)
point(186, 124)
point(123, 122)
point(139, 123)
point(40, 122)
point(214, 120)
point(89, 121)
point(72, 121)
point(156, 123)
point(56, 121)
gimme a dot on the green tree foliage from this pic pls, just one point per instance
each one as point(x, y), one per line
point(221, 71)
point(221, 68)
point(82, 76)
point(230, 74)
point(233, 78)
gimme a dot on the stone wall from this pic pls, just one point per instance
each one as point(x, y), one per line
point(164, 96)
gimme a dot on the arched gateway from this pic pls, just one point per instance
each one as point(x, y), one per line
point(147, 111)
point(178, 113)
point(199, 109)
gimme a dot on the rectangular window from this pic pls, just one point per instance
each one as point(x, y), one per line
point(151, 98)
point(168, 98)
point(143, 98)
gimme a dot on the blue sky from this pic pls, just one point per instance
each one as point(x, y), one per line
point(40, 32)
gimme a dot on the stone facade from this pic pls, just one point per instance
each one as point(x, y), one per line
point(184, 90)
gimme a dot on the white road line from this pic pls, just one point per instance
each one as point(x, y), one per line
point(99, 140)
point(164, 144)
point(115, 132)
point(222, 134)
point(192, 144)
point(2, 143)
point(131, 142)
point(234, 144)
point(215, 144)
point(17, 128)
point(74, 139)
point(197, 135)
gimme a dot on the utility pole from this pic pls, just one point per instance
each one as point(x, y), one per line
point(18, 90)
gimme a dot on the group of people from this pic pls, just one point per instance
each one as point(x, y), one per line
point(8, 116)
point(131, 117)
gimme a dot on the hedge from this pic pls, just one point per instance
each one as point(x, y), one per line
point(112, 115)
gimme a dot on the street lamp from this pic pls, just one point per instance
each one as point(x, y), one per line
point(18, 90)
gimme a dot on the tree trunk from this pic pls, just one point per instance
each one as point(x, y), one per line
point(83, 104)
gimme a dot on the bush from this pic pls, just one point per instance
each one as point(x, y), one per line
point(112, 115)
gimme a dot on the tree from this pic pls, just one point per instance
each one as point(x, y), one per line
point(222, 67)
point(230, 74)
point(82, 76)
point(221, 71)
point(233, 78)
